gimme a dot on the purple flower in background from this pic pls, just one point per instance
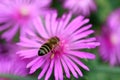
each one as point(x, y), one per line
point(110, 41)
point(19, 14)
point(7, 49)
point(82, 7)
point(13, 66)
point(71, 37)
point(114, 19)
point(110, 46)
point(10, 63)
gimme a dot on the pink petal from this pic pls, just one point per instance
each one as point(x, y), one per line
point(44, 70)
point(28, 45)
point(38, 64)
point(65, 68)
point(64, 22)
point(30, 32)
point(92, 39)
point(28, 53)
point(84, 28)
point(34, 36)
point(82, 35)
point(59, 27)
point(79, 62)
point(5, 26)
point(70, 67)
point(75, 24)
point(33, 62)
point(84, 45)
point(74, 66)
point(80, 54)
point(69, 4)
point(56, 75)
point(24, 28)
point(113, 59)
point(8, 35)
point(38, 24)
point(49, 72)
point(54, 24)
point(60, 72)
point(29, 41)
point(4, 18)
point(48, 24)
point(43, 3)
point(86, 40)
point(4, 9)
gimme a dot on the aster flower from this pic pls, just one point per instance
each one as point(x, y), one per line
point(19, 14)
point(80, 6)
point(13, 66)
point(64, 57)
point(7, 49)
point(113, 20)
point(10, 63)
point(109, 38)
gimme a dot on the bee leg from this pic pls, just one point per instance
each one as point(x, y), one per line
point(52, 55)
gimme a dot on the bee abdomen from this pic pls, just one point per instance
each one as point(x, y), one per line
point(44, 49)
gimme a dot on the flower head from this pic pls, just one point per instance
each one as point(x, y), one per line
point(82, 7)
point(62, 41)
point(7, 49)
point(10, 63)
point(110, 44)
point(13, 66)
point(110, 41)
point(19, 14)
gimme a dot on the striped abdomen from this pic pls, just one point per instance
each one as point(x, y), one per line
point(44, 49)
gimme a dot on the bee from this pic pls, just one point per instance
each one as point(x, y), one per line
point(48, 46)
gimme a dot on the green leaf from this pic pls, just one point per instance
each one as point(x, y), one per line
point(103, 68)
point(104, 9)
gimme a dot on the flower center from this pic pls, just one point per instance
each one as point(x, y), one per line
point(22, 15)
point(114, 39)
point(59, 49)
point(24, 11)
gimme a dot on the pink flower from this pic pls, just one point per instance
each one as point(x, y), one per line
point(10, 63)
point(71, 38)
point(13, 66)
point(113, 20)
point(110, 44)
point(110, 41)
point(7, 49)
point(19, 14)
point(82, 7)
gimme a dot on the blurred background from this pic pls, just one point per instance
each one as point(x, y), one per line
point(100, 69)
